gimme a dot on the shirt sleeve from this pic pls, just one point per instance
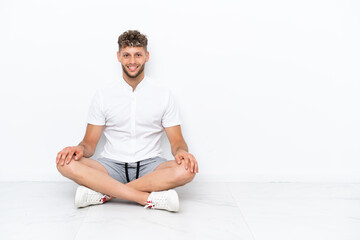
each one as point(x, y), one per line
point(96, 114)
point(171, 115)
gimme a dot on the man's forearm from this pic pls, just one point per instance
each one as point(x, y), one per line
point(179, 146)
point(88, 150)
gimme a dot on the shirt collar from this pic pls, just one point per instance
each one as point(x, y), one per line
point(129, 88)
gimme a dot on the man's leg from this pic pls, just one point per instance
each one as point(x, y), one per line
point(89, 173)
point(166, 176)
point(93, 164)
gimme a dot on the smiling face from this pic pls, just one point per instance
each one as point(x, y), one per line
point(133, 61)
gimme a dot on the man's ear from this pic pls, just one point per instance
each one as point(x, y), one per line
point(118, 56)
point(147, 56)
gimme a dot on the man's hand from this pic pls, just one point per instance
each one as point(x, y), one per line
point(68, 153)
point(189, 161)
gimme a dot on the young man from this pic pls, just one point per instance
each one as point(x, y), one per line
point(132, 112)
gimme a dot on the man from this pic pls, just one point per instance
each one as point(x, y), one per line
point(132, 112)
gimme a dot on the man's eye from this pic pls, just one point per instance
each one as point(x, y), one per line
point(139, 55)
point(126, 55)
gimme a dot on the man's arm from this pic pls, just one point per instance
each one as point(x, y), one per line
point(91, 139)
point(180, 150)
point(86, 147)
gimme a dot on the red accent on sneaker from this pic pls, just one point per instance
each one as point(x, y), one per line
point(103, 199)
point(150, 202)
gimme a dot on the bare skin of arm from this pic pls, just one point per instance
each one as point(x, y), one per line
point(86, 147)
point(180, 150)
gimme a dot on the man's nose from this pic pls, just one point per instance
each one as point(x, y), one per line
point(132, 59)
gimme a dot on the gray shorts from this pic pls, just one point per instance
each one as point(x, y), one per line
point(127, 172)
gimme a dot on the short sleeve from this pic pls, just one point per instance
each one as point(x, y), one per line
point(96, 114)
point(171, 115)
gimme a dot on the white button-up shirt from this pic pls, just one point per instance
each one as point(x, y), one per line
point(134, 120)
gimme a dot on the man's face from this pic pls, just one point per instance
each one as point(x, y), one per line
point(133, 60)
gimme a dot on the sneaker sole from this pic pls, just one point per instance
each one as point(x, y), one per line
point(79, 193)
point(175, 198)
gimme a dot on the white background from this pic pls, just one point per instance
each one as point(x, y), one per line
point(268, 90)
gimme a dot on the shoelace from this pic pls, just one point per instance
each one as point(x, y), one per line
point(149, 204)
point(96, 197)
point(157, 202)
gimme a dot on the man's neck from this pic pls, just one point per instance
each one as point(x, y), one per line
point(133, 82)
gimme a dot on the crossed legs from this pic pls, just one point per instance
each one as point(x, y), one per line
point(90, 173)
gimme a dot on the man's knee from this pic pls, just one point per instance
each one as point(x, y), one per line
point(67, 170)
point(182, 175)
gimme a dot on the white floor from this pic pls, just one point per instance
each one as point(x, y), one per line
point(260, 211)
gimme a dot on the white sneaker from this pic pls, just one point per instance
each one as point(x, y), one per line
point(85, 197)
point(167, 200)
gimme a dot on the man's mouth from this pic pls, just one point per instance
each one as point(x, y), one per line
point(132, 68)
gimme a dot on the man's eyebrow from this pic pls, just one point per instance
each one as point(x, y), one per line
point(134, 53)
